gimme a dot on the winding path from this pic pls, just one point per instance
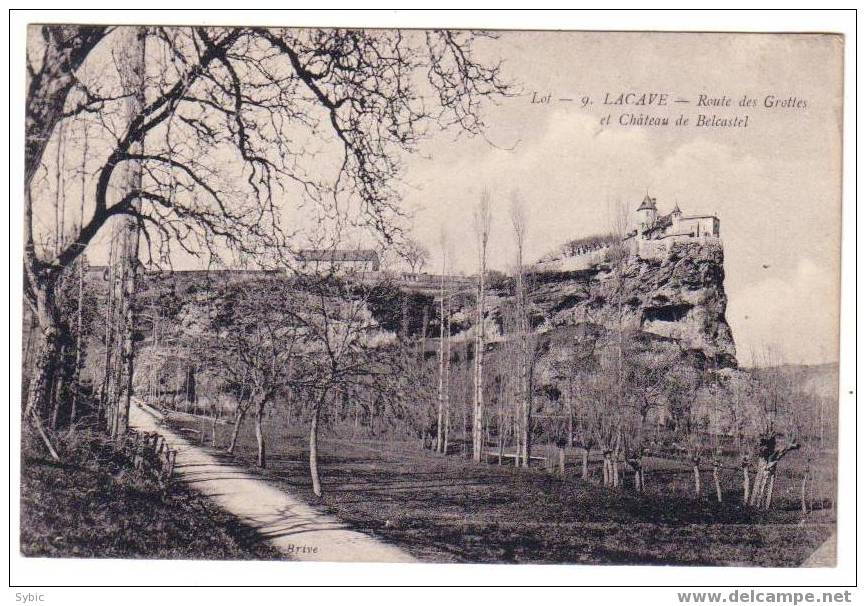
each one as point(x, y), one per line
point(291, 526)
point(824, 556)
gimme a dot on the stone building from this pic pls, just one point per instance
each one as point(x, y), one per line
point(338, 260)
point(652, 226)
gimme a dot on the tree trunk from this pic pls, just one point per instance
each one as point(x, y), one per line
point(745, 485)
point(440, 413)
point(478, 407)
point(73, 409)
point(37, 423)
point(30, 345)
point(478, 400)
point(447, 429)
point(107, 366)
point(525, 392)
point(486, 438)
point(562, 462)
point(58, 388)
point(260, 436)
point(697, 474)
point(47, 359)
point(73, 412)
point(770, 485)
point(756, 485)
point(48, 347)
point(133, 82)
point(314, 452)
point(717, 482)
point(355, 425)
point(803, 493)
point(527, 428)
point(584, 471)
point(239, 419)
point(760, 481)
point(570, 422)
point(518, 433)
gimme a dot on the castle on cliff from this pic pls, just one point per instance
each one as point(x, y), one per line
point(652, 226)
point(650, 237)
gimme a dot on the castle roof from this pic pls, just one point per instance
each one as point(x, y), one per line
point(648, 203)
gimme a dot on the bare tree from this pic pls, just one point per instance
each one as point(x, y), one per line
point(416, 254)
point(483, 216)
point(519, 225)
point(692, 422)
point(447, 387)
point(575, 370)
point(776, 425)
point(338, 327)
point(442, 395)
point(646, 375)
point(605, 415)
point(254, 341)
point(734, 403)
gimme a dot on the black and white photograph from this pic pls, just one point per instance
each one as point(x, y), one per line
point(421, 295)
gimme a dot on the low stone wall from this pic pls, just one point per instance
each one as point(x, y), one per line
point(575, 263)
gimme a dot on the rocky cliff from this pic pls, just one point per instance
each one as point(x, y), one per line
point(679, 295)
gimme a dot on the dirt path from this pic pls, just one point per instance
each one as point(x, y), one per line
point(824, 556)
point(288, 524)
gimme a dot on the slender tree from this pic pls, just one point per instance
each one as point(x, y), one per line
point(483, 216)
point(519, 225)
point(442, 393)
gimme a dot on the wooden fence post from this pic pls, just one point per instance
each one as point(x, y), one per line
point(136, 451)
point(171, 461)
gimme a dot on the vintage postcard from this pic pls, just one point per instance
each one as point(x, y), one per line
point(426, 295)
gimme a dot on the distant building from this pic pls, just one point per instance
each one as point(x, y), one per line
point(652, 236)
point(652, 226)
point(338, 260)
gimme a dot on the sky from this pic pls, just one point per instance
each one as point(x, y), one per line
point(775, 185)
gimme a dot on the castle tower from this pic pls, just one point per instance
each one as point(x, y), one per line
point(676, 215)
point(646, 214)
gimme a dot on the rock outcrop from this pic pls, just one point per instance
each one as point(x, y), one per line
point(679, 296)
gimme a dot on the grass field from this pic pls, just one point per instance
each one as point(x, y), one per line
point(100, 508)
point(448, 509)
